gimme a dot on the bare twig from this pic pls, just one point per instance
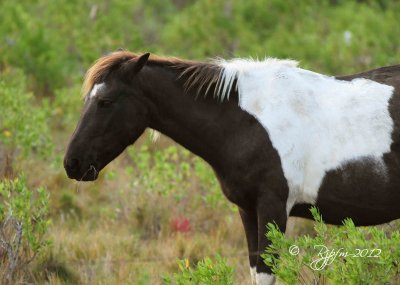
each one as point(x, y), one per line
point(14, 254)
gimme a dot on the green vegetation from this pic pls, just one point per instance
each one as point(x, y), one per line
point(179, 170)
point(206, 272)
point(336, 255)
point(24, 126)
point(126, 227)
point(23, 224)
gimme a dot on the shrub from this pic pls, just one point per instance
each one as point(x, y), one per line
point(23, 224)
point(172, 171)
point(206, 272)
point(54, 42)
point(337, 255)
point(23, 124)
point(65, 107)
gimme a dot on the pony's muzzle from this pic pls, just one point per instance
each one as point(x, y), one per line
point(76, 170)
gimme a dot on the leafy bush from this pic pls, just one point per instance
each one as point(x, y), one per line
point(23, 124)
point(55, 47)
point(23, 224)
point(206, 272)
point(65, 107)
point(337, 255)
point(171, 171)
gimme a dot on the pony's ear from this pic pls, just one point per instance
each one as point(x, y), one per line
point(135, 65)
point(141, 61)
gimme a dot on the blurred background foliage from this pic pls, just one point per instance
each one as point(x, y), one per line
point(118, 229)
point(55, 41)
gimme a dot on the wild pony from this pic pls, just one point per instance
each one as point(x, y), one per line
point(279, 138)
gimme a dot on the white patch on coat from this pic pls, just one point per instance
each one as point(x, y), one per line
point(253, 274)
point(315, 122)
point(96, 88)
point(265, 279)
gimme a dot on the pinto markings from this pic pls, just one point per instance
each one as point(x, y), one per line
point(316, 123)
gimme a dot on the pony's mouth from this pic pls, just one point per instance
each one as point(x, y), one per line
point(90, 174)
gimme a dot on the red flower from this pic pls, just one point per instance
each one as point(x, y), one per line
point(180, 225)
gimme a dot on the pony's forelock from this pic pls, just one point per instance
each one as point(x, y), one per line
point(102, 67)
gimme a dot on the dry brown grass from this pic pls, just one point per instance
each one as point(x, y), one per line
point(114, 231)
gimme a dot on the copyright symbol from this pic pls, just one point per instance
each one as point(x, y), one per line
point(294, 250)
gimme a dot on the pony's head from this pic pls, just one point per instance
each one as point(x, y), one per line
point(114, 115)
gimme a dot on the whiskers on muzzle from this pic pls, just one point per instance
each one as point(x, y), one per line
point(95, 172)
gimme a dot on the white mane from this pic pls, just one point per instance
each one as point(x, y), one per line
point(234, 68)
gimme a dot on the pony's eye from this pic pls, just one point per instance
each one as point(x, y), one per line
point(105, 103)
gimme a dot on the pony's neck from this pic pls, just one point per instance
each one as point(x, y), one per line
point(199, 123)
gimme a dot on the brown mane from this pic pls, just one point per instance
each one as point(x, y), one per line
point(197, 74)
